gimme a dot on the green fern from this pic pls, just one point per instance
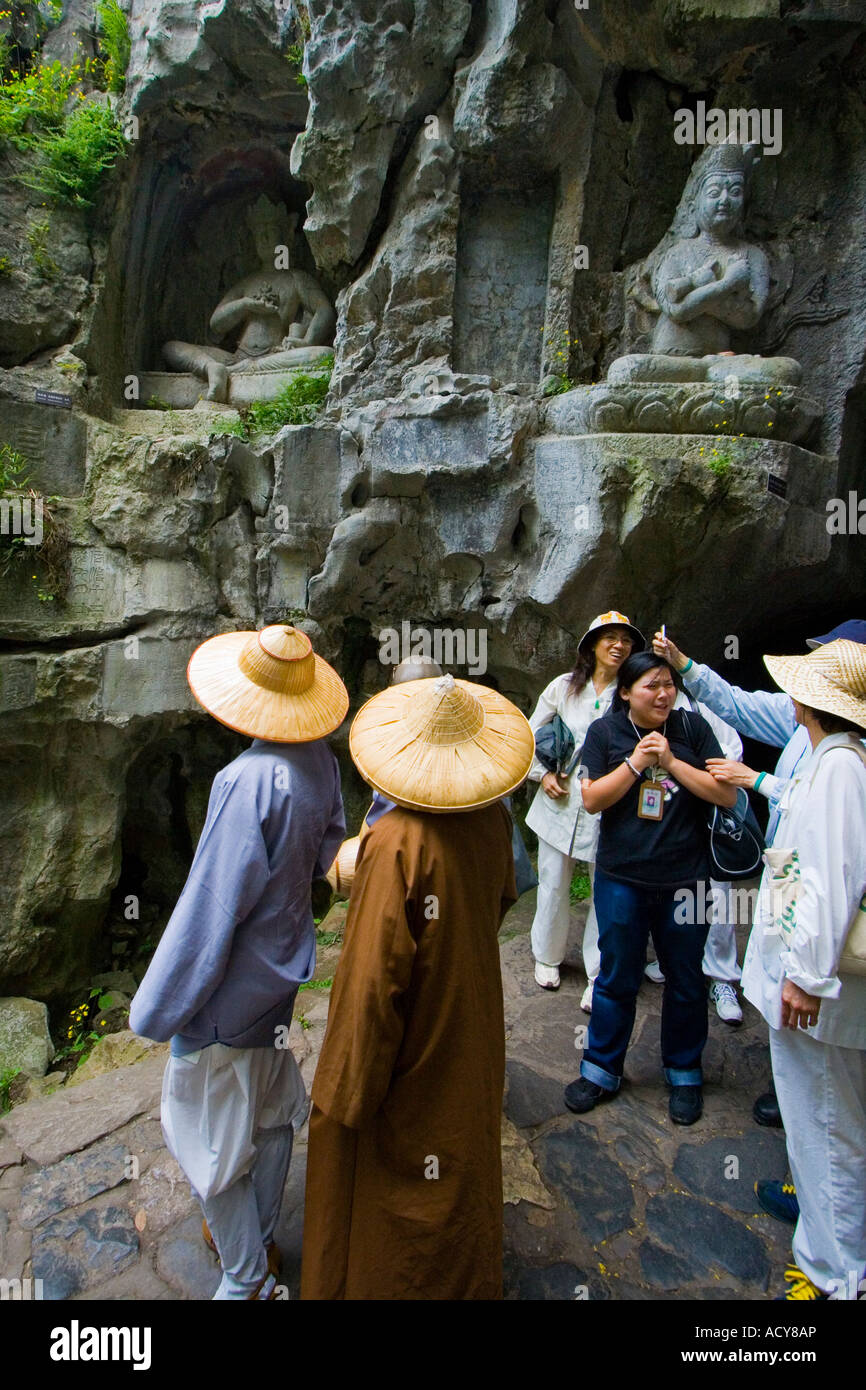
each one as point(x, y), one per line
point(115, 43)
point(75, 158)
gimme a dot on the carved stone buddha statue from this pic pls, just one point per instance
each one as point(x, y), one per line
point(278, 318)
point(708, 281)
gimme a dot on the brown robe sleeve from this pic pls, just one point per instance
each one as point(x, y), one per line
point(366, 1018)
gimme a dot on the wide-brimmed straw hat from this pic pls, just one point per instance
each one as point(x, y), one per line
point(268, 684)
point(831, 678)
point(613, 619)
point(341, 874)
point(441, 745)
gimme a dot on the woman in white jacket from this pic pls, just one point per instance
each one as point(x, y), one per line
point(566, 831)
point(797, 974)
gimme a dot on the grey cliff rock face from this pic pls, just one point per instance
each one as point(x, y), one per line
point(478, 190)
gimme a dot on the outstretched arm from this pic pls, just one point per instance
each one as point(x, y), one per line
point(765, 715)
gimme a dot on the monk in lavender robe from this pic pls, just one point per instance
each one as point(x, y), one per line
point(404, 1176)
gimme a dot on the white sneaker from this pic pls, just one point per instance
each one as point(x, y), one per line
point(586, 998)
point(725, 1000)
point(546, 975)
point(653, 972)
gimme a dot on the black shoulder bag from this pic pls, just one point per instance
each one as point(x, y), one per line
point(735, 842)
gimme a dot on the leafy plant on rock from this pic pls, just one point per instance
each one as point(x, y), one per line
point(75, 158)
point(37, 237)
point(295, 59)
point(7, 1076)
point(298, 403)
point(53, 550)
point(69, 141)
point(580, 888)
point(81, 1037)
point(115, 43)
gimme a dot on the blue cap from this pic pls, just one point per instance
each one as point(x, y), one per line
point(854, 630)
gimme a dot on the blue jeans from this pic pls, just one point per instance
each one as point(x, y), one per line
point(626, 916)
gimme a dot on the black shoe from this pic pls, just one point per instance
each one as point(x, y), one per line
point(686, 1104)
point(581, 1095)
point(766, 1111)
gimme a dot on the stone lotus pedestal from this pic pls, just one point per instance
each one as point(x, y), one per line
point(759, 410)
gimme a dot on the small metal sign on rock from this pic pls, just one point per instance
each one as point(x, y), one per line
point(54, 398)
point(777, 486)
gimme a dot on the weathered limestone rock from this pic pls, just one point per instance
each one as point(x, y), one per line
point(25, 1087)
point(83, 1251)
point(44, 293)
point(371, 77)
point(116, 1050)
point(25, 1042)
point(48, 1130)
point(72, 1181)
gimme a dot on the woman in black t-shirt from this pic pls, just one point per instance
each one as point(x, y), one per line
point(645, 771)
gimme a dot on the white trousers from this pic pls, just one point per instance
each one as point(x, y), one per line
point(549, 935)
point(720, 951)
point(227, 1117)
point(822, 1096)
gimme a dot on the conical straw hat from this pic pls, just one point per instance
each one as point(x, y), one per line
point(342, 872)
point(268, 684)
point(441, 745)
point(831, 678)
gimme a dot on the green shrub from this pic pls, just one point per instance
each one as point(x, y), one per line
point(53, 553)
point(580, 887)
point(115, 43)
point(37, 237)
point(7, 1076)
point(33, 103)
point(12, 465)
point(298, 403)
point(224, 424)
point(72, 148)
point(75, 158)
point(295, 59)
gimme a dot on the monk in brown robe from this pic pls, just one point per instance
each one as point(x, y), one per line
point(404, 1174)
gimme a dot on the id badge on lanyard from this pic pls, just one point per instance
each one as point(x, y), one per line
point(651, 801)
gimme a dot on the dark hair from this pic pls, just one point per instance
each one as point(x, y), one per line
point(583, 669)
point(585, 662)
point(636, 666)
point(834, 723)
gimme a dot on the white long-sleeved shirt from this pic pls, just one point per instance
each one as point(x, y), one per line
point(564, 822)
point(823, 817)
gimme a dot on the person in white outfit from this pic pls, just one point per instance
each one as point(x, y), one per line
point(566, 831)
point(799, 973)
